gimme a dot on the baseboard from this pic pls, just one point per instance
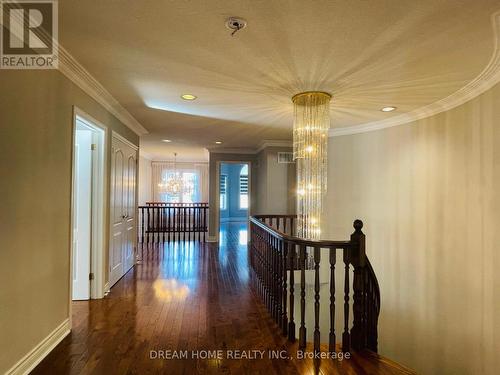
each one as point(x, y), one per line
point(39, 352)
point(106, 289)
point(212, 239)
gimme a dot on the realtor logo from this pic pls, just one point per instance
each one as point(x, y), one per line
point(29, 34)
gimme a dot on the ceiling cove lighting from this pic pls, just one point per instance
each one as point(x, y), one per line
point(310, 140)
point(388, 109)
point(166, 140)
point(189, 97)
point(218, 142)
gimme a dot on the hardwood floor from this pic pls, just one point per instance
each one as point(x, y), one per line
point(188, 297)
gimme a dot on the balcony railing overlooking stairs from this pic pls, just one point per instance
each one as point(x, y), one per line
point(280, 260)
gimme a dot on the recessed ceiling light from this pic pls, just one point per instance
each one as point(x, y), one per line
point(388, 109)
point(166, 140)
point(188, 97)
point(218, 142)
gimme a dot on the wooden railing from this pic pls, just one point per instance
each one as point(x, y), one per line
point(165, 222)
point(278, 257)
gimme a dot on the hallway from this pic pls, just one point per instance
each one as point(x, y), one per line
point(192, 296)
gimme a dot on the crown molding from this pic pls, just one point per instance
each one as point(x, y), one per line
point(489, 77)
point(262, 145)
point(270, 143)
point(72, 69)
point(232, 150)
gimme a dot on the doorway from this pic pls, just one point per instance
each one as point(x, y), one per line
point(87, 213)
point(234, 197)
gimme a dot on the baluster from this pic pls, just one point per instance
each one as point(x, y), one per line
point(184, 227)
point(284, 257)
point(302, 329)
point(149, 225)
point(204, 222)
point(317, 259)
point(346, 339)
point(142, 221)
point(291, 323)
point(170, 218)
point(332, 338)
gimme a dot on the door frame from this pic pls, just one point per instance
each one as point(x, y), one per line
point(217, 190)
point(99, 200)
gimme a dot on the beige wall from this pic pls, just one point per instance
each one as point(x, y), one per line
point(36, 110)
point(428, 193)
point(145, 178)
point(275, 183)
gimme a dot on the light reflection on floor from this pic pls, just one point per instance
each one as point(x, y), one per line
point(181, 264)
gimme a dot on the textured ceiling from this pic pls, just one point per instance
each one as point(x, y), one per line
point(368, 54)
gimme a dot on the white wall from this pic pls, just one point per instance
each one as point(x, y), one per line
point(429, 194)
point(145, 175)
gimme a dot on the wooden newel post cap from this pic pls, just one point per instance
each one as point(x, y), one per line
point(358, 225)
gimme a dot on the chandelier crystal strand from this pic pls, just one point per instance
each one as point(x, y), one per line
point(310, 141)
point(174, 184)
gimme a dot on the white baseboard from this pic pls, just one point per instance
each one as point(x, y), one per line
point(106, 289)
point(39, 352)
point(212, 239)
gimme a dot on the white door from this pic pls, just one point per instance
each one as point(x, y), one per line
point(82, 213)
point(123, 208)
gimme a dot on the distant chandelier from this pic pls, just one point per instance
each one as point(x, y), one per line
point(310, 139)
point(174, 185)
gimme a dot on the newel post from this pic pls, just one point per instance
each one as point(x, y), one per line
point(358, 261)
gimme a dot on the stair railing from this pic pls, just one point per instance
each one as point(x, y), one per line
point(277, 258)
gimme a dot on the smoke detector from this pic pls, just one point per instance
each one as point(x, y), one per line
point(235, 24)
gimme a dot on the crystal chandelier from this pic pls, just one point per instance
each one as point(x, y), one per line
point(174, 185)
point(310, 138)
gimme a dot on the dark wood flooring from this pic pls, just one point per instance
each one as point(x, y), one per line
point(188, 297)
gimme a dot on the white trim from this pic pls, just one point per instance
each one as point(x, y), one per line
point(26, 364)
point(489, 77)
point(241, 150)
point(270, 143)
point(106, 288)
point(124, 140)
point(83, 79)
point(99, 204)
point(252, 151)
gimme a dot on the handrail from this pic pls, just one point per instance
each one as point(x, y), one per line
point(276, 254)
point(299, 241)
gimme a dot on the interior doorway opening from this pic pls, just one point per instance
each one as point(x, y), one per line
point(234, 194)
point(87, 213)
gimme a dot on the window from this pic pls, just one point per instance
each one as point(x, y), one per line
point(223, 191)
point(244, 187)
